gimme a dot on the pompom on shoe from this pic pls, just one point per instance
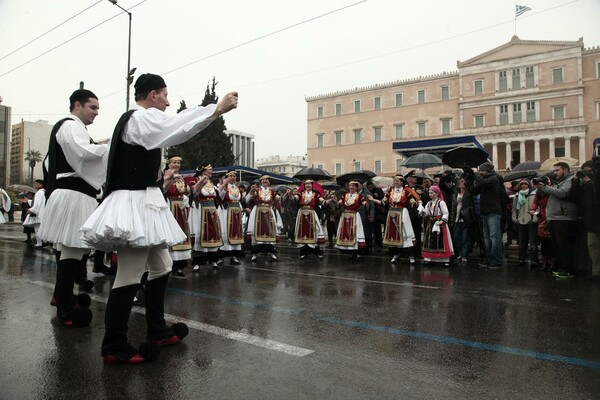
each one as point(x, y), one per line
point(181, 331)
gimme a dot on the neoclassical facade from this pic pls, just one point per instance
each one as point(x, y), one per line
point(524, 100)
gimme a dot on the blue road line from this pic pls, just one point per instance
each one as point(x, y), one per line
point(580, 362)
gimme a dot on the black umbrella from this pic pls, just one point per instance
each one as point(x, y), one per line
point(527, 166)
point(316, 174)
point(422, 161)
point(330, 185)
point(282, 188)
point(361, 175)
point(460, 157)
point(520, 175)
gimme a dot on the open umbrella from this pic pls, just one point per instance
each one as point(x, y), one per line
point(361, 175)
point(462, 156)
point(316, 174)
point(548, 165)
point(21, 188)
point(316, 187)
point(330, 185)
point(520, 175)
point(422, 161)
point(527, 166)
point(282, 188)
point(383, 181)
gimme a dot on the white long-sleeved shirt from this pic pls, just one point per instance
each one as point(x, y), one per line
point(85, 157)
point(152, 128)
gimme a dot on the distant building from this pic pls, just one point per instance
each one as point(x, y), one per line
point(524, 100)
point(28, 136)
point(4, 144)
point(283, 166)
point(242, 145)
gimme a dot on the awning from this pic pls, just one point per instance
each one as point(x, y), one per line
point(248, 174)
point(438, 147)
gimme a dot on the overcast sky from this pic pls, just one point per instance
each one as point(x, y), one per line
point(273, 52)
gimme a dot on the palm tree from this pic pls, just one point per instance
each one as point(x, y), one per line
point(34, 157)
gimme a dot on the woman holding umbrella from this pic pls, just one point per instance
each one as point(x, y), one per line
point(437, 243)
point(350, 233)
point(309, 233)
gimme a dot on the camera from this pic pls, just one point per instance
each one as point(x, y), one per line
point(541, 179)
point(582, 174)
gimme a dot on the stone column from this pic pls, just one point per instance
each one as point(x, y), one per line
point(536, 150)
point(582, 156)
point(522, 151)
point(495, 154)
point(568, 146)
point(551, 150)
point(508, 153)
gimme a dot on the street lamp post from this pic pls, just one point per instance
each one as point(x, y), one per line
point(130, 71)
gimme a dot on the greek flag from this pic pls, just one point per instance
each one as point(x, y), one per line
point(520, 10)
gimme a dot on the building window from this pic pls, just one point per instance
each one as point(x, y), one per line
point(529, 77)
point(446, 123)
point(399, 164)
point(557, 75)
point(377, 133)
point(399, 99)
point(338, 108)
point(598, 69)
point(377, 166)
point(320, 112)
point(377, 103)
point(445, 92)
point(502, 82)
point(356, 105)
point(503, 114)
point(559, 152)
point(422, 129)
point(338, 168)
point(399, 131)
point(598, 110)
point(516, 78)
point(517, 118)
point(338, 138)
point(357, 136)
point(531, 111)
point(479, 120)
point(356, 165)
point(558, 112)
point(421, 96)
point(320, 140)
point(478, 86)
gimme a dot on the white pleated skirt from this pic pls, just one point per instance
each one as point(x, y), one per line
point(132, 218)
point(64, 214)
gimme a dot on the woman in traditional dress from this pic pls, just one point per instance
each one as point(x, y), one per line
point(264, 220)
point(176, 192)
point(309, 233)
point(350, 233)
point(231, 218)
point(437, 242)
point(205, 220)
point(399, 233)
point(35, 213)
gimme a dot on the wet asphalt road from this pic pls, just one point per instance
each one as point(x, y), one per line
point(295, 329)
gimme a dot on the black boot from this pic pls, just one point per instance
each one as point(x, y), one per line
point(115, 346)
point(71, 310)
point(158, 331)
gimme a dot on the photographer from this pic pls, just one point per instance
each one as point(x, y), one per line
point(583, 192)
point(562, 218)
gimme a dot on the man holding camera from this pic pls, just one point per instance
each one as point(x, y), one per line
point(562, 214)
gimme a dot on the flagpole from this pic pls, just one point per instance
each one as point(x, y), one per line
point(515, 19)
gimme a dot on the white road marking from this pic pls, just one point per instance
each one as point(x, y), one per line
point(343, 278)
point(215, 330)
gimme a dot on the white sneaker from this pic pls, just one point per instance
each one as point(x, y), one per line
point(215, 264)
point(254, 258)
point(320, 256)
point(220, 261)
point(273, 257)
point(412, 260)
point(196, 268)
point(395, 258)
point(303, 256)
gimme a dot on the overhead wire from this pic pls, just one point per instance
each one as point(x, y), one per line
point(69, 40)
point(47, 32)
